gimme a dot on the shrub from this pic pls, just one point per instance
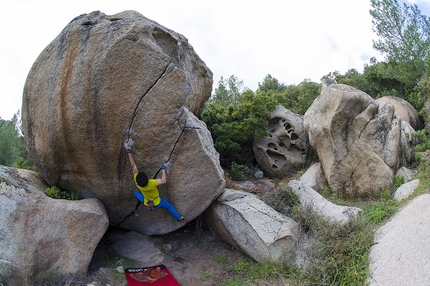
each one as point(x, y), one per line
point(57, 193)
point(238, 171)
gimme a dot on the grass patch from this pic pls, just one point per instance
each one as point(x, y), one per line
point(339, 253)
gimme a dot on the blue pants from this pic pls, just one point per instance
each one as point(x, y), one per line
point(164, 204)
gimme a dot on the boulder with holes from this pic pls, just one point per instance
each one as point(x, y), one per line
point(108, 78)
point(285, 149)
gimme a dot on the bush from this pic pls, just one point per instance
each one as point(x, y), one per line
point(235, 118)
point(57, 193)
point(238, 171)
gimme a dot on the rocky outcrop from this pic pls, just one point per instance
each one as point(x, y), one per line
point(106, 79)
point(253, 227)
point(40, 235)
point(285, 150)
point(359, 144)
point(403, 110)
point(310, 199)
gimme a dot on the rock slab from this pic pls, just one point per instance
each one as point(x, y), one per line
point(309, 198)
point(254, 228)
point(401, 251)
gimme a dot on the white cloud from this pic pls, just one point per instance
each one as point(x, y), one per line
point(291, 40)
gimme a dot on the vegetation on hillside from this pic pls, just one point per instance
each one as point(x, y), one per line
point(235, 114)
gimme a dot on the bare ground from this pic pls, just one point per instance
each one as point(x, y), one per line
point(193, 254)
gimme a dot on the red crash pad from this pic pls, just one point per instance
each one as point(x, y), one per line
point(157, 275)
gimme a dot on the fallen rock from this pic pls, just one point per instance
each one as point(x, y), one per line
point(309, 198)
point(256, 186)
point(41, 235)
point(406, 173)
point(400, 253)
point(314, 177)
point(285, 150)
point(405, 190)
point(136, 246)
point(254, 228)
point(109, 78)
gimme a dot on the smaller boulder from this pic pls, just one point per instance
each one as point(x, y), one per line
point(314, 177)
point(285, 149)
point(405, 190)
point(253, 227)
point(309, 198)
point(136, 246)
point(406, 173)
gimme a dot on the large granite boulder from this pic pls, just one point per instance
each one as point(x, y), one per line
point(254, 228)
point(107, 79)
point(40, 235)
point(359, 143)
point(285, 149)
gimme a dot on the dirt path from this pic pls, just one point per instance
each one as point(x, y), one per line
point(193, 254)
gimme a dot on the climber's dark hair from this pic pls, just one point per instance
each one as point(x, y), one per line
point(142, 179)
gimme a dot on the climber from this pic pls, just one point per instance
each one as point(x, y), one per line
point(147, 192)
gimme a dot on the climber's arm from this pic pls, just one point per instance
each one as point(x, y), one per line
point(163, 179)
point(130, 158)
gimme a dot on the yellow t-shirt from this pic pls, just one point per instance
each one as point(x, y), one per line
point(150, 191)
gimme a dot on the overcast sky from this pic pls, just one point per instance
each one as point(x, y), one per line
point(291, 40)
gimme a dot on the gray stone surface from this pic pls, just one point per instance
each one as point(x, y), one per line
point(405, 190)
point(401, 253)
point(285, 149)
point(136, 246)
point(40, 235)
point(309, 198)
point(254, 228)
point(360, 144)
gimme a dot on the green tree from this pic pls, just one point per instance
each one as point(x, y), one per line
point(354, 78)
point(12, 144)
point(404, 33)
point(298, 98)
point(270, 83)
point(228, 91)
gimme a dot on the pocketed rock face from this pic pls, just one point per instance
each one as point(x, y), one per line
point(106, 79)
point(285, 150)
point(358, 142)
